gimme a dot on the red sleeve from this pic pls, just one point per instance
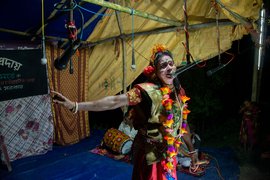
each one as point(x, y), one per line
point(134, 96)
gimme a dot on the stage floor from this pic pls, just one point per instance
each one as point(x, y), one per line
point(77, 162)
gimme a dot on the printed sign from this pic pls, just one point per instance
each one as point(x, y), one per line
point(22, 74)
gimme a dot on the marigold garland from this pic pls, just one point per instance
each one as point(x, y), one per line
point(173, 143)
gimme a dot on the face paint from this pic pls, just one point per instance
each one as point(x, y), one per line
point(166, 69)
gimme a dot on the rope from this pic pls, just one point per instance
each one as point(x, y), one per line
point(74, 6)
point(133, 65)
point(232, 57)
point(217, 28)
point(99, 14)
point(42, 18)
point(145, 58)
point(186, 31)
point(217, 167)
point(44, 59)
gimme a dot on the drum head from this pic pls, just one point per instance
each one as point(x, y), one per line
point(117, 141)
point(126, 148)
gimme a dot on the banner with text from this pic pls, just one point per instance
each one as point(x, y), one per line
point(22, 74)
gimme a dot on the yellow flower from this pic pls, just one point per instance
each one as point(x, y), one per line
point(165, 90)
point(169, 165)
point(167, 103)
point(184, 99)
point(185, 113)
point(178, 142)
point(170, 140)
point(157, 48)
point(171, 154)
point(183, 131)
point(168, 123)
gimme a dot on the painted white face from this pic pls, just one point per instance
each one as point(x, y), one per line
point(166, 69)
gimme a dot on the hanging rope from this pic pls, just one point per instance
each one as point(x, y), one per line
point(120, 26)
point(141, 55)
point(72, 33)
point(43, 59)
point(186, 45)
point(218, 32)
point(133, 64)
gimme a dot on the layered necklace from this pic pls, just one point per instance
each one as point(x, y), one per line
point(173, 142)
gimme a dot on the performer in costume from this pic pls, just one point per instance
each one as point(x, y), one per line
point(249, 125)
point(160, 118)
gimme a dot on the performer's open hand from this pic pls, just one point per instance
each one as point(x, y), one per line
point(60, 99)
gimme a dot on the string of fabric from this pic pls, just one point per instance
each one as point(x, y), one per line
point(133, 65)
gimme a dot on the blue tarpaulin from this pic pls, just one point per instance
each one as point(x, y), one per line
point(77, 162)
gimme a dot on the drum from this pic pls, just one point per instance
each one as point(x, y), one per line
point(117, 141)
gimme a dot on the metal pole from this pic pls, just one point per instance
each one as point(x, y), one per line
point(259, 55)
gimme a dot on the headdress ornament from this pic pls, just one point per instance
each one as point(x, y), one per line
point(158, 48)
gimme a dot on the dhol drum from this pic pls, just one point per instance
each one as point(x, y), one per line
point(117, 141)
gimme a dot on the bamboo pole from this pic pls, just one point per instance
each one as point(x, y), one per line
point(159, 30)
point(134, 12)
point(52, 15)
point(154, 31)
point(123, 42)
point(20, 33)
point(242, 20)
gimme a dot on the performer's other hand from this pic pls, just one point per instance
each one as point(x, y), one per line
point(60, 99)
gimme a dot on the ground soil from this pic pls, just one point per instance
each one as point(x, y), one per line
point(253, 165)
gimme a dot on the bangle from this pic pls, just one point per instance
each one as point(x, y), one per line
point(75, 109)
point(192, 152)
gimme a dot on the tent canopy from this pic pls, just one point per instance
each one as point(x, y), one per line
point(121, 34)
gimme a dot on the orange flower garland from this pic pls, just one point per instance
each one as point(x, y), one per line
point(173, 143)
